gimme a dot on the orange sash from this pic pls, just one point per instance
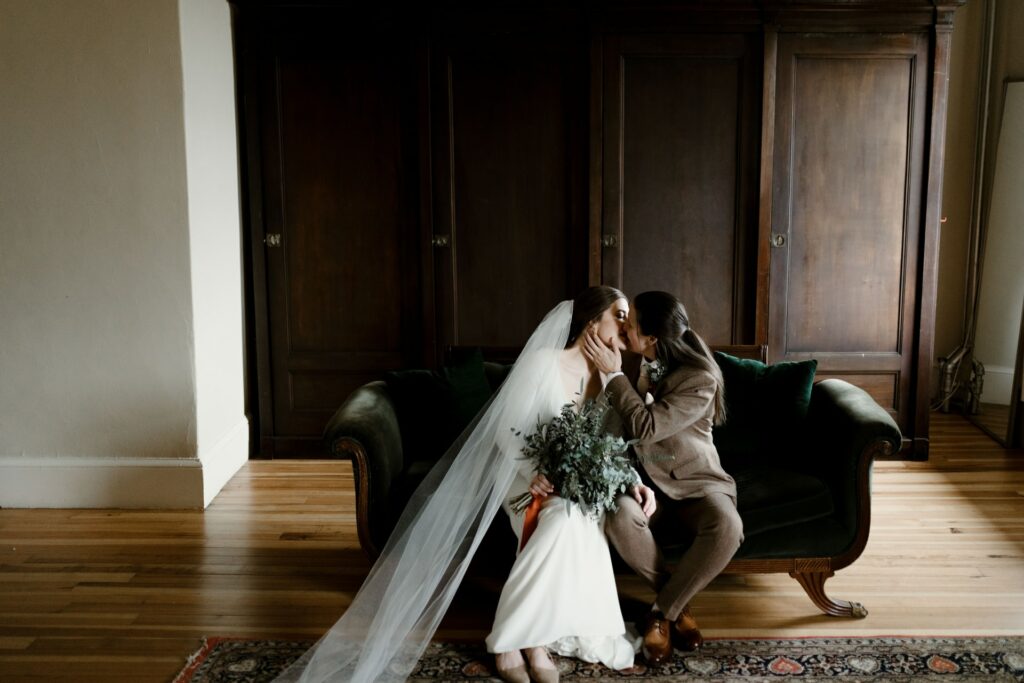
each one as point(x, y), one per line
point(530, 522)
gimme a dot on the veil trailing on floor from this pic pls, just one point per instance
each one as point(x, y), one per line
point(390, 622)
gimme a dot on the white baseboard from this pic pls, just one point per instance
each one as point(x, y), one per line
point(91, 482)
point(998, 385)
point(107, 482)
point(224, 460)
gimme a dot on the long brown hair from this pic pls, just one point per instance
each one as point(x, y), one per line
point(662, 315)
point(588, 306)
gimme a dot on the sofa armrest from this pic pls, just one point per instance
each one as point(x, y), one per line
point(365, 429)
point(840, 407)
point(849, 431)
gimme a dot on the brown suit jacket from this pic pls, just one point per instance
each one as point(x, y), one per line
point(673, 434)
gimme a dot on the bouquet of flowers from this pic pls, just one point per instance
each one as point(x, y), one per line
point(586, 465)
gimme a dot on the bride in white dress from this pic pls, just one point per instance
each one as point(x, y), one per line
point(560, 594)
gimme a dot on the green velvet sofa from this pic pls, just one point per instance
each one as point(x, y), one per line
point(804, 496)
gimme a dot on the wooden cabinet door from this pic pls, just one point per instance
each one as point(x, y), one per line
point(846, 209)
point(336, 225)
point(509, 194)
point(681, 141)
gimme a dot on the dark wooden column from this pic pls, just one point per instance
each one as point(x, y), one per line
point(925, 342)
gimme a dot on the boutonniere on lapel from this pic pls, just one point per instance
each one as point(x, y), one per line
point(652, 372)
point(655, 371)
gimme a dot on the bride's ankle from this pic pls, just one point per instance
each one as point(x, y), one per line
point(507, 660)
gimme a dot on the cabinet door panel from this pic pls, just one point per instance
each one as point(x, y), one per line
point(509, 169)
point(849, 135)
point(848, 207)
point(337, 131)
point(680, 162)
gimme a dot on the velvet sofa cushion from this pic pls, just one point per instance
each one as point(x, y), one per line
point(770, 501)
point(764, 404)
point(433, 407)
point(771, 498)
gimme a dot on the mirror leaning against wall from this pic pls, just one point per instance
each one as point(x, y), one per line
point(994, 392)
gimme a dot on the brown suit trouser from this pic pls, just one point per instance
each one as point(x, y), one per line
point(713, 523)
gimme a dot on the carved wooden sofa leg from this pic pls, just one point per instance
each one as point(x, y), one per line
point(814, 584)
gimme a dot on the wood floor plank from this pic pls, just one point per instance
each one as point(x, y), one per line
point(16, 643)
point(101, 592)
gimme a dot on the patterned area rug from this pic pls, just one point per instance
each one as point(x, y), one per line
point(231, 660)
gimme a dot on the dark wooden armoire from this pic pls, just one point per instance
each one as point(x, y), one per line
point(418, 179)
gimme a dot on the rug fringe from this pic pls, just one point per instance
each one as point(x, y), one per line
point(193, 661)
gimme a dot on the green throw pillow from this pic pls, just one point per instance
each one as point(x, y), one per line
point(764, 404)
point(433, 407)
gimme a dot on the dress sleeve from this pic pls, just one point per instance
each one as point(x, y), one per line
point(511, 444)
point(524, 411)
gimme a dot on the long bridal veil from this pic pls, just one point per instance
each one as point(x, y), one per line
point(390, 622)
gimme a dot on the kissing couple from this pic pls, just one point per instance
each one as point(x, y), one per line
point(665, 393)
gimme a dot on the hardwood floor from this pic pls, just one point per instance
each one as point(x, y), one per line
point(108, 595)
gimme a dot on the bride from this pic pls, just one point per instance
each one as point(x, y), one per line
point(560, 594)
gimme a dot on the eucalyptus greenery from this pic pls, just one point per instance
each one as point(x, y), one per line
point(586, 465)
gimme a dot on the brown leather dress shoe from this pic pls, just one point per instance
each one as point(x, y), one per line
point(657, 647)
point(685, 632)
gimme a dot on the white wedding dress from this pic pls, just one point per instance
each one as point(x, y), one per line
point(561, 590)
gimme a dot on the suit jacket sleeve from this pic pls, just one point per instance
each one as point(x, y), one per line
point(683, 400)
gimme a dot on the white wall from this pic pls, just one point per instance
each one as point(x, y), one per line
point(215, 238)
point(961, 138)
point(1002, 280)
point(100, 341)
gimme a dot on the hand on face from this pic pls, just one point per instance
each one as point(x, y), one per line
point(603, 353)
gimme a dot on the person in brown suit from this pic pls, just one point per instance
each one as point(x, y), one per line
point(669, 394)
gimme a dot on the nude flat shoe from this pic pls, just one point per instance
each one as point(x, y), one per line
point(544, 675)
point(516, 674)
